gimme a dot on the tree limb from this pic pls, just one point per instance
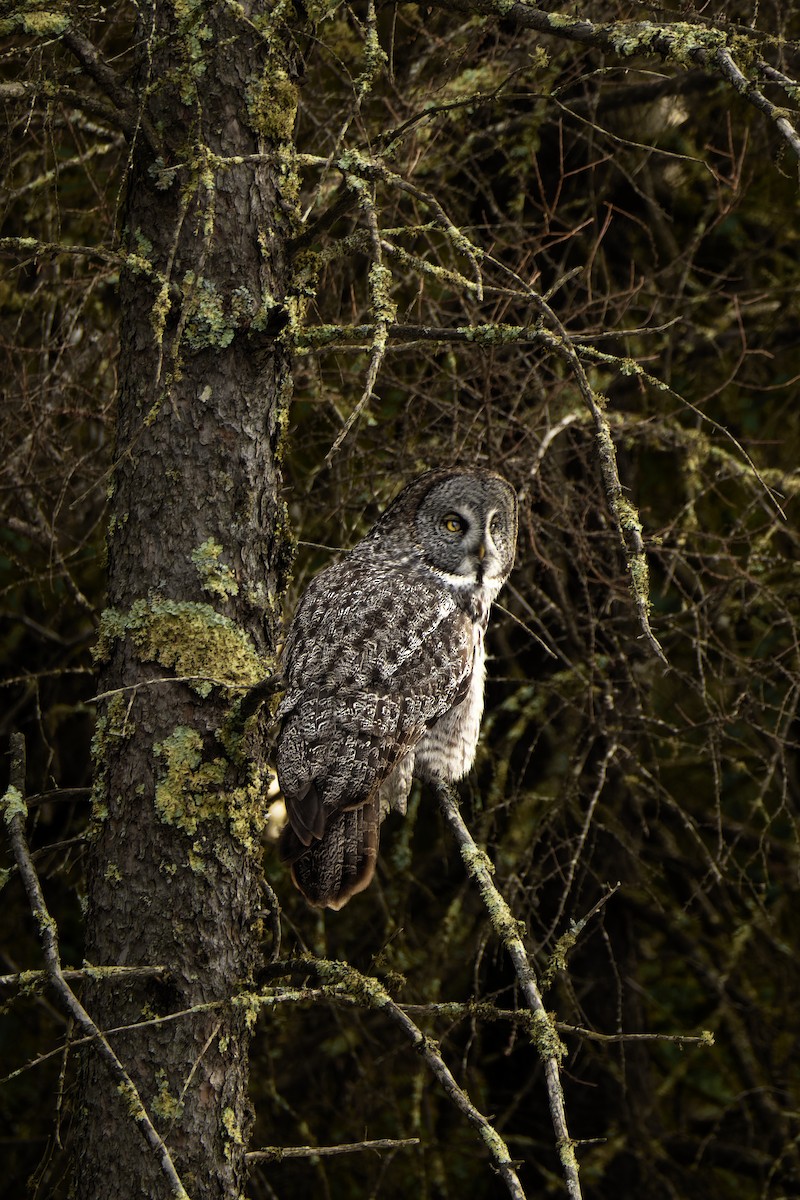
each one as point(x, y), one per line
point(369, 993)
point(506, 927)
point(14, 812)
point(279, 1153)
point(131, 118)
point(681, 42)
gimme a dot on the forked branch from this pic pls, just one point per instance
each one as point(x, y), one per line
point(546, 1037)
point(14, 813)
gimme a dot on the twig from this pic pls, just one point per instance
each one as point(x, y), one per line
point(507, 929)
point(26, 979)
point(601, 781)
point(746, 88)
point(278, 1153)
point(14, 812)
point(369, 993)
point(384, 309)
point(123, 99)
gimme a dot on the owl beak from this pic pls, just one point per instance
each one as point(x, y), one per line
point(482, 551)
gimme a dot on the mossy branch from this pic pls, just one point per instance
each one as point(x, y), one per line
point(544, 1032)
point(684, 43)
point(342, 979)
point(14, 813)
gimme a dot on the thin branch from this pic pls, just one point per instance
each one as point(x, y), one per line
point(680, 42)
point(279, 1153)
point(747, 88)
point(14, 813)
point(32, 247)
point(352, 987)
point(131, 119)
point(32, 979)
point(507, 929)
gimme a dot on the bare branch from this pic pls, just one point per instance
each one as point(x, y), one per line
point(131, 119)
point(279, 1153)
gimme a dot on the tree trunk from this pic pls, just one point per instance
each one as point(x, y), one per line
point(197, 558)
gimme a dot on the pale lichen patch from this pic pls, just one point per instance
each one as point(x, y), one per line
point(192, 638)
point(217, 578)
point(189, 791)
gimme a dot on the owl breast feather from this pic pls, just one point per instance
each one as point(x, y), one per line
point(373, 661)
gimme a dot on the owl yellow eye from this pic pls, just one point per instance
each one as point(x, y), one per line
point(452, 523)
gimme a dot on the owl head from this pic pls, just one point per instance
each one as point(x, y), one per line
point(461, 522)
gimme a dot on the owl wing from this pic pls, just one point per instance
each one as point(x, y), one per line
point(373, 659)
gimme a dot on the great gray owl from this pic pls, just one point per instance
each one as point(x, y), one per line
point(384, 668)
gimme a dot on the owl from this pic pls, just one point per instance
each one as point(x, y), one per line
point(384, 669)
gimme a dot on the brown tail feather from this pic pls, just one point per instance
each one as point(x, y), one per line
point(342, 862)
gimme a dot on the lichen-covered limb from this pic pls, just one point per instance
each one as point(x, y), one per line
point(383, 307)
point(35, 979)
point(545, 1035)
point(369, 993)
point(14, 814)
point(681, 42)
point(747, 88)
point(39, 249)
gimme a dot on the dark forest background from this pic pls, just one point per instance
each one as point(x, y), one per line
point(471, 197)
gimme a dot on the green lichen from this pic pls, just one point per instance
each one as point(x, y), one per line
point(205, 324)
point(191, 638)
point(160, 311)
point(272, 101)
point(631, 527)
point(217, 578)
point(680, 41)
point(112, 873)
point(112, 725)
point(193, 34)
point(13, 804)
point(374, 60)
point(545, 1037)
point(42, 24)
point(381, 302)
point(196, 859)
point(246, 811)
point(233, 1133)
point(493, 335)
point(128, 1092)
point(319, 10)
point(189, 791)
point(190, 794)
point(251, 1005)
point(164, 1104)
point(163, 176)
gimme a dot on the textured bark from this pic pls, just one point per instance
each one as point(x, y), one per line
point(196, 535)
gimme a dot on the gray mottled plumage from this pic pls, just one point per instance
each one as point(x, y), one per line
point(384, 667)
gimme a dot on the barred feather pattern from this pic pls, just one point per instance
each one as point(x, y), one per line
point(384, 666)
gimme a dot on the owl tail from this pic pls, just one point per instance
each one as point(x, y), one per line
point(342, 862)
